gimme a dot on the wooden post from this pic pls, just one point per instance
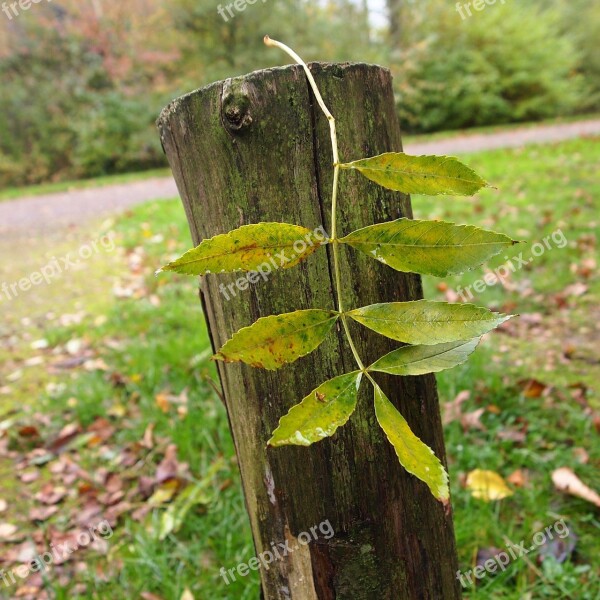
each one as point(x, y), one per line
point(255, 149)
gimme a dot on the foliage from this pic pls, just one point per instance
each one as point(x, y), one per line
point(276, 340)
point(83, 82)
point(214, 48)
point(73, 100)
point(497, 66)
point(581, 23)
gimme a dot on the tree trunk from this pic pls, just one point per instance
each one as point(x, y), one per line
point(255, 149)
point(395, 15)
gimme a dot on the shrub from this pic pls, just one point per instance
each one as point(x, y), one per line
point(498, 66)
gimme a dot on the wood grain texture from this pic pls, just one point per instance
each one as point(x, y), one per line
point(256, 148)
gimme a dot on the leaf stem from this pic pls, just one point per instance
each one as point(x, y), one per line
point(336, 176)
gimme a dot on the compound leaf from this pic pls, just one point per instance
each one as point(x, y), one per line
point(249, 247)
point(429, 247)
point(414, 455)
point(320, 413)
point(430, 175)
point(272, 341)
point(427, 322)
point(418, 360)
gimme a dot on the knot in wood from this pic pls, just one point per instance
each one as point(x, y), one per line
point(236, 110)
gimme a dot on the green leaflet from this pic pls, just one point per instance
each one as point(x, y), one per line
point(418, 360)
point(273, 341)
point(415, 456)
point(427, 322)
point(249, 247)
point(320, 413)
point(428, 247)
point(430, 175)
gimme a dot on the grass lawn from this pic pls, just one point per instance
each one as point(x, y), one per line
point(149, 354)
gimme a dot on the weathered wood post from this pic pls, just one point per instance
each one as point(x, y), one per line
point(254, 149)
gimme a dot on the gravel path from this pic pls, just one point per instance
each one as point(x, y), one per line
point(55, 212)
point(475, 142)
point(42, 214)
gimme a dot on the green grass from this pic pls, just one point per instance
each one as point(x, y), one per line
point(159, 342)
point(64, 186)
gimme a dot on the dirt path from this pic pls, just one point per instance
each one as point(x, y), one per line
point(476, 142)
point(25, 217)
point(41, 214)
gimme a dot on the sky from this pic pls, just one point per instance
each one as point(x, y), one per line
point(378, 12)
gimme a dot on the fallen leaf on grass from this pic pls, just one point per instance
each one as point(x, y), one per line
point(29, 476)
point(452, 410)
point(512, 435)
point(164, 492)
point(29, 431)
point(169, 468)
point(518, 478)
point(566, 481)
point(7, 531)
point(148, 439)
point(113, 513)
point(472, 420)
point(560, 548)
point(66, 434)
point(111, 498)
point(15, 376)
point(101, 429)
point(487, 485)
point(117, 410)
point(575, 289)
point(3, 506)
point(581, 455)
point(49, 494)
point(532, 388)
point(139, 514)
point(42, 513)
point(28, 591)
point(187, 595)
point(162, 401)
point(86, 514)
point(579, 394)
